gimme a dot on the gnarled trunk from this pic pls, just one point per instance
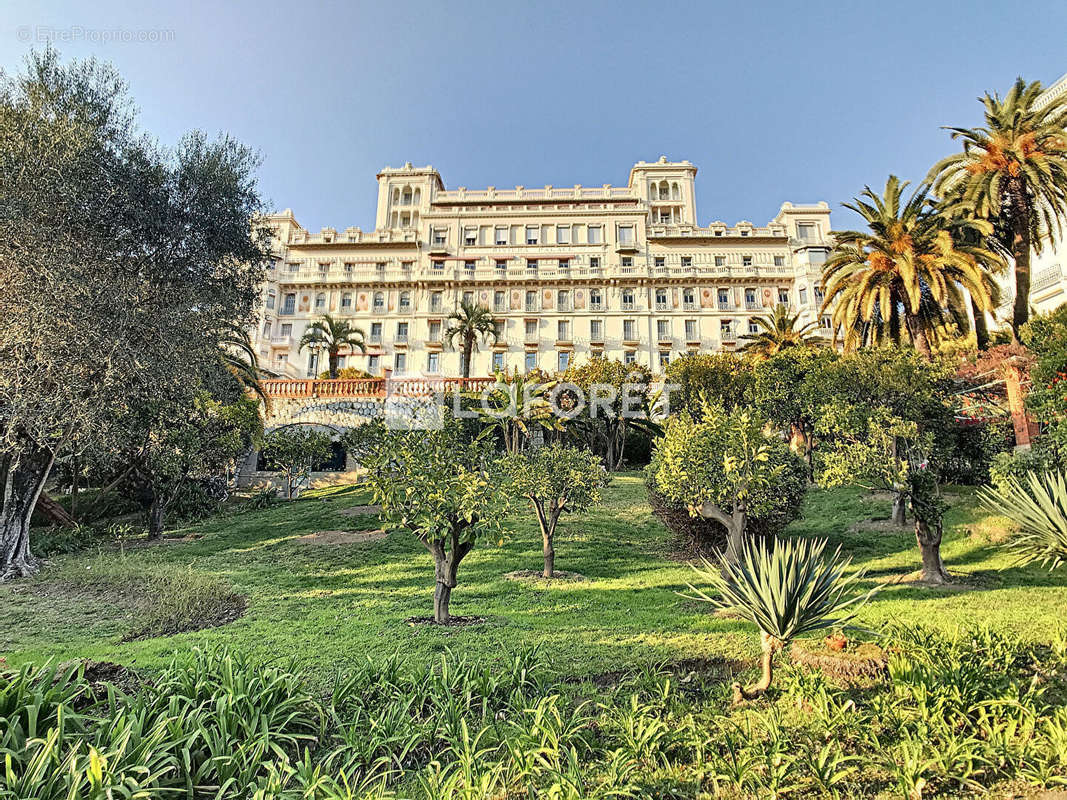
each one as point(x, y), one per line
point(22, 478)
point(929, 539)
point(769, 645)
point(445, 565)
point(547, 519)
point(735, 524)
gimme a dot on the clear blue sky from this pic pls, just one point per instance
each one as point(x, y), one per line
point(773, 101)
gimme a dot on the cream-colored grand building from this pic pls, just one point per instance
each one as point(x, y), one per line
point(568, 272)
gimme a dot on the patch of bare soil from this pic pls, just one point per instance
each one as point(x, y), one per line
point(98, 674)
point(342, 537)
point(535, 577)
point(453, 622)
point(359, 511)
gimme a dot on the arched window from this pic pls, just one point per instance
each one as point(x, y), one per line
point(405, 301)
point(418, 196)
point(271, 297)
point(676, 193)
point(664, 190)
point(407, 196)
point(379, 301)
point(627, 298)
point(320, 301)
point(396, 196)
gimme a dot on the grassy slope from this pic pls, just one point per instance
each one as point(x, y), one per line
point(328, 605)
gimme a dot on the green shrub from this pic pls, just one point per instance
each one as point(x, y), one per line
point(1017, 465)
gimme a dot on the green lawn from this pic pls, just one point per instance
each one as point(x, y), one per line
point(328, 606)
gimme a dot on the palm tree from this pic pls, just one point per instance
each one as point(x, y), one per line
point(469, 323)
point(778, 332)
point(1013, 170)
point(910, 269)
point(239, 358)
point(333, 336)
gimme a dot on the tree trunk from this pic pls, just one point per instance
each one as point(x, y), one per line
point(900, 509)
point(1020, 250)
point(22, 478)
point(442, 596)
point(468, 352)
point(446, 565)
point(981, 328)
point(550, 557)
point(918, 336)
point(333, 364)
point(929, 539)
point(770, 646)
point(156, 515)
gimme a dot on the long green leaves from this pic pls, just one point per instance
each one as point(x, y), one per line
point(1038, 503)
point(788, 589)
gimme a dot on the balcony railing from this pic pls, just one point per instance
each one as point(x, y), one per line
point(753, 305)
point(372, 387)
point(725, 305)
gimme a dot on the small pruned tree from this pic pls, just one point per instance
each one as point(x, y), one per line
point(723, 466)
point(787, 589)
point(448, 491)
point(294, 451)
point(557, 479)
point(876, 449)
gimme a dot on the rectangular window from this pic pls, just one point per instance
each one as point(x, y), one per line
point(531, 263)
point(564, 264)
point(664, 359)
point(626, 234)
point(803, 292)
point(691, 332)
point(468, 297)
point(806, 231)
point(629, 330)
point(501, 263)
point(752, 326)
point(783, 296)
point(266, 329)
point(400, 363)
point(595, 300)
point(374, 364)
point(629, 357)
point(596, 330)
point(726, 329)
point(627, 261)
point(435, 301)
point(687, 262)
point(439, 265)
point(563, 300)
point(346, 300)
point(689, 301)
point(289, 305)
point(779, 261)
point(498, 300)
point(531, 300)
point(498, 362)
point(724, 298)
point(596, 234)
point(746, 261)
point(532, 234)
point(662, 303)
point(469, 266)
point(440, 235)
point(563, 331)
point(501, 235)
point(401, 331)
point(287, 329)
point(530, 362)
point(531, 330)
point(660, 261)
point(663, 329)
point(564, 360)
point(376, 332)
point(563, 234)
point(324, 268)
point(594, 262)
point(720, 261)
point(435, 331)
point(405, 301)
point(380, 266)
point(470, 237)
point(407, 265)
point(270, 299)
point(433, 362)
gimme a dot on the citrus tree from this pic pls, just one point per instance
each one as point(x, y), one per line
point(556, 479)
point(294, 451)
point(724, 466)
point(447, 491)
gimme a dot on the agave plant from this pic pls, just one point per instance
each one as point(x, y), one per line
point(787, 588)
point(1038, 503)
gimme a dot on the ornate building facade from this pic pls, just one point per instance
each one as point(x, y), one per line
point(567, 272)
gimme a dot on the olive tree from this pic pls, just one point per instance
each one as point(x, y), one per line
point(556, 479)
point(448, 491)
point(879, 450)
point(294, 451)
point(724, 466)
point(123, 265)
